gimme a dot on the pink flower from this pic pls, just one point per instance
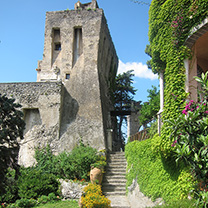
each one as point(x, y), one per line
point(184, 112)
point(173, 145)
point(206, 112)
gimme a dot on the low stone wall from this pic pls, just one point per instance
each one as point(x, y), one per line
point(71, 190)
point(28, 93)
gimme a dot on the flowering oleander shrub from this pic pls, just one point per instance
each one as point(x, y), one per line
point(190, 139)
point(93, 197)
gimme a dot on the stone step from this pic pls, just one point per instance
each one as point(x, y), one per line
point(112, 188)
point(121, 168)
point(115, 176)
point(113, 185)
point(116, 165)
point(123, 160)
point(115, 172)
point(112, 180)
point(118, 157)
point(114, 193)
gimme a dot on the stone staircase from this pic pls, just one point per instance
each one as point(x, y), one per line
point(114, 182)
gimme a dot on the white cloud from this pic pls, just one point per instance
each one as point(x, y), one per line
point(140, 70)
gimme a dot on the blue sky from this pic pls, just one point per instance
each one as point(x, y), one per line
point(22, 24)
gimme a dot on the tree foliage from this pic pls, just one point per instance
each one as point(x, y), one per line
point(123, 97)
point(124, 91)
point(141, 2)
point(150, 109)
point(11, 128)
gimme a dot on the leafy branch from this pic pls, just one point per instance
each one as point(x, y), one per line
point(141, 2)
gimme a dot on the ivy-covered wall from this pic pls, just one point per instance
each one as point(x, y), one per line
point(153, 162)
point(170, 23)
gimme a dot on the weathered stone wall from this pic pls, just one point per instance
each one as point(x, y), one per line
point(70, 102)
point(107, 69)
point(133, 123)
point(43, 96)
point(41, 104)
point(89, 83)
point(67, 21)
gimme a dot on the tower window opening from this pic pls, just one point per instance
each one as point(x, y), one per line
point(57, 46)
point(56, 33)
point(67, 76)
point(78, 45)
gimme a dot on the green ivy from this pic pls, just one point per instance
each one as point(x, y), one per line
point(170, 23)
point(152, 161)
point(157, 176)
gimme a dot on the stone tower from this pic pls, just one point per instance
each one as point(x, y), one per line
point(70, 100)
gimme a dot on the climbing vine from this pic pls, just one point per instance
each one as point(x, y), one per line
point(170, 23)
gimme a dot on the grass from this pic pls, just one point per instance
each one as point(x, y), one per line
point(61, 204)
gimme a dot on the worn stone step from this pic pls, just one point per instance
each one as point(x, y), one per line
point(116, 165)
point(114, 189)
point(118, 172)
point(117, 155)
point(114, 193)
point(113, 184)
point(117, 161)
point(120, 169)
point(112, 180)
point(115, 176)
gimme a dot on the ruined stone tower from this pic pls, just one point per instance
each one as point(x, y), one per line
point(70, 101)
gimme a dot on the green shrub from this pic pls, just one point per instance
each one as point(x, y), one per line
point(73, 165)
point(45, 199)
point(52, 197)
point(157, 176)
point(101, 162)
point(82, 157)
point(10, 193)
point(46, 161)
point(25, 203)
point(33, 183)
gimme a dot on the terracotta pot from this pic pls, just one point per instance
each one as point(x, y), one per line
point(96, 176)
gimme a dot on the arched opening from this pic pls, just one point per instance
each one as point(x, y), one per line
point(198, 43)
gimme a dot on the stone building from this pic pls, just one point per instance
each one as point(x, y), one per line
point(70, 101)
